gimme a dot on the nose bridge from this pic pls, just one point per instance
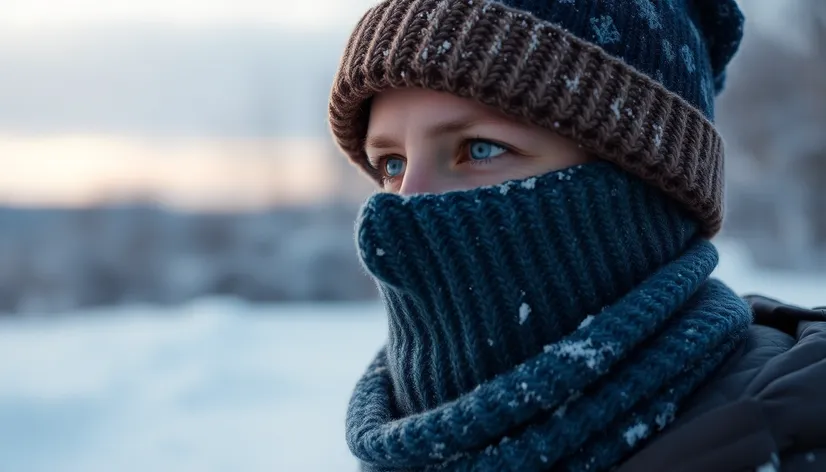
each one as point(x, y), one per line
point(428, 168)
point(420, 176)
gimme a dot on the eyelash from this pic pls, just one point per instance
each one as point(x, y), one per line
point(464, 148)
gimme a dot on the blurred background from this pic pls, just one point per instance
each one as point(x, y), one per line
point(179, 288)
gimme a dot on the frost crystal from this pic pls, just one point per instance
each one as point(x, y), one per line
point(615, 107)
point(534, 38)
point(605, 30)
point(586, 322)
point(495, 47)
point(529, 184)
point(666, 417)
point(658, 136)
point(688, 58)
point(572, 84)
point(635, 433)
point(649, 12)
point(524, 311)
point(668, 50)
point(768, 466)
point(438, 449)
point(560, 412)
point(659, 76)
point(581, 350)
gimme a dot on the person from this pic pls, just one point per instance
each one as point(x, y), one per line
point(550, 180)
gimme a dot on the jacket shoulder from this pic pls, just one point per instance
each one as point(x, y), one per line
point(776, 329)
point(782, 316)
point(764, 406)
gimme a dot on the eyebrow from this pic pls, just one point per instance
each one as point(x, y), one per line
point(446, 127)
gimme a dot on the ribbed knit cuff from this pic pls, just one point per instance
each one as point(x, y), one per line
point(477, 281)
point(533, 71)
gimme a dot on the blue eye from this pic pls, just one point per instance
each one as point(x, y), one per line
point(481, 150)
point(394, 166)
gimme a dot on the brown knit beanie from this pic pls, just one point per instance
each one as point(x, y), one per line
point(632, 81)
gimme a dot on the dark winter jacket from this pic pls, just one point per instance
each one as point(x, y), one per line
point(764, 411)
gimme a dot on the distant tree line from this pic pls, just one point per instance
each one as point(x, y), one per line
point(55, 260)
point(773, 116)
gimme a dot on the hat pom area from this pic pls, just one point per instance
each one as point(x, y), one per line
point(721, 23)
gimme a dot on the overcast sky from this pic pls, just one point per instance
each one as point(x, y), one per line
point(188, 67)
point(183, 67)
point(26, 14)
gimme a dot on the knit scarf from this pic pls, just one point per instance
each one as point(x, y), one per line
point(552, 323)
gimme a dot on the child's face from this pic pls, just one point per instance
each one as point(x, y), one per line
point(429, 142)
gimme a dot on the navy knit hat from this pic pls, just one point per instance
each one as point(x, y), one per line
point(632, 81)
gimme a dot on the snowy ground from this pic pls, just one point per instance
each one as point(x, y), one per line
point(213, 386)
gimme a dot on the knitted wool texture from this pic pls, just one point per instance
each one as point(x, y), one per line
point(552, 323)
point(631, 81)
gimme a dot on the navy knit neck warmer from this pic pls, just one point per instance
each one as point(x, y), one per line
point(552, 323)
